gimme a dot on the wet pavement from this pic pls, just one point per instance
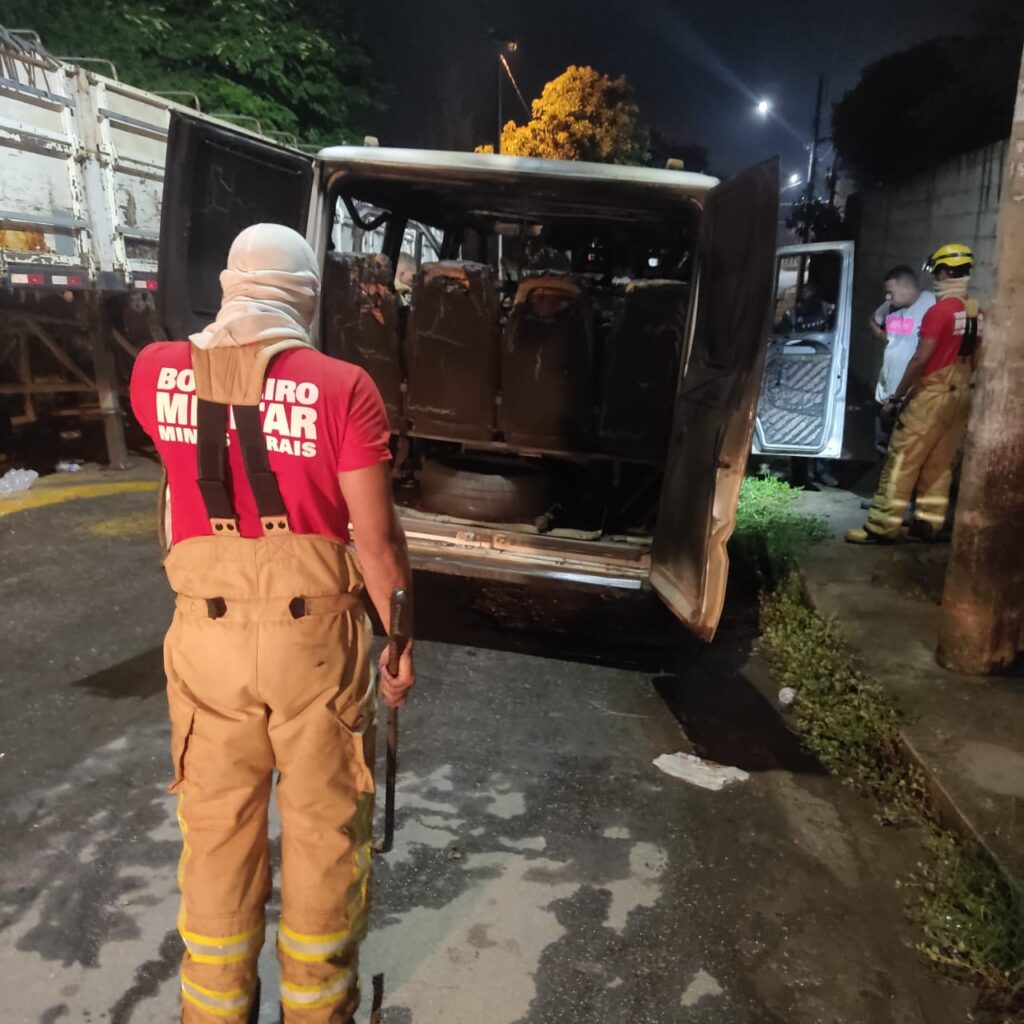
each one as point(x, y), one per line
point(544, 870)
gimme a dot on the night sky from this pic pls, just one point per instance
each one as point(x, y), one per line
point(696, 68)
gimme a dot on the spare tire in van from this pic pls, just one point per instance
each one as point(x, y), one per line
point(489, 488)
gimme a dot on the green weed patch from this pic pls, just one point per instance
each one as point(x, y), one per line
point(972, 917)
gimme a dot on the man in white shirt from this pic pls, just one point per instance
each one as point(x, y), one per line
point(898, 322)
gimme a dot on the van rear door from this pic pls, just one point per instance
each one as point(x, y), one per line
point(714, 408)
point(802, 409)
point(217, 182)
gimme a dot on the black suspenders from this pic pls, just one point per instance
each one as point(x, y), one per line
point(969, 342)
point(211, 456)
point(257, 466)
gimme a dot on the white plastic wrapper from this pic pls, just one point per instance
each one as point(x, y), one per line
point(17, 480)
point(695, 770)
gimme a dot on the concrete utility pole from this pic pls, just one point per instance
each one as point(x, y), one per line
point(812, 160)
point(983, 603)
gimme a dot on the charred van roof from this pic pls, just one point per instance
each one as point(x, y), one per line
point(429, 183)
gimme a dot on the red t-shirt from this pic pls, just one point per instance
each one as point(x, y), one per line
point(946, 321)
point(320, 416)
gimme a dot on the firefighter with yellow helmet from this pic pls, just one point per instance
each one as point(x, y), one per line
point(933, 400)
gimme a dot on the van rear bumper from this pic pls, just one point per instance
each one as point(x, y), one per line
point(461, 549)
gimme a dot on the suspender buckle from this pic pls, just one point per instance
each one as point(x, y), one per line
point(225, 527)
point(275, 524)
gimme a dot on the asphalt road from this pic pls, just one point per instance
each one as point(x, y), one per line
point(545, 871)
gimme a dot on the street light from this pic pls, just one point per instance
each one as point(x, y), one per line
point(794, 179)
point(506, 47)
point(764, 107)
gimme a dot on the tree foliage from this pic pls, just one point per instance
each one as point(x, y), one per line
point(581, 115)
point(287, 63)
point(914, 109)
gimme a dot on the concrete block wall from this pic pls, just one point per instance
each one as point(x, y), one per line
point(902, 223)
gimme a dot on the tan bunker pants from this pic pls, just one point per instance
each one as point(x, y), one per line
point(922, 453)
point(267, 665)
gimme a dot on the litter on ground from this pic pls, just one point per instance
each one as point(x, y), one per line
point(16, 480)
point(706, 774)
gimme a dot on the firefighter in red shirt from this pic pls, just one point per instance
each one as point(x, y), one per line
point(934, 396)
point(271, 449)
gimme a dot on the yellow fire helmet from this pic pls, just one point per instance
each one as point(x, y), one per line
point(951, 256)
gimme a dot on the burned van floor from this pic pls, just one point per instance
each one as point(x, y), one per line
point(544, 869)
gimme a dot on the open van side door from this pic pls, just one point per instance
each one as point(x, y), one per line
point(802, 410)
point(715, 401)
point(217, 182)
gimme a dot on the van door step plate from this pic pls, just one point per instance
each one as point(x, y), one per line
point(485, 553)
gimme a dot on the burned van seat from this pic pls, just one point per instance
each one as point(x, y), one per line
point(547, 366)
point(452, 349)
point(640, 366)
point(361, 322)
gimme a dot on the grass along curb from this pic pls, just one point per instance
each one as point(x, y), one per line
point(971, 915)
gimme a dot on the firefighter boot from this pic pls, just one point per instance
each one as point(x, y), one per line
point(862, 535)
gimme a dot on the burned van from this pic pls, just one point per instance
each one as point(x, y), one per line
point(570, 354)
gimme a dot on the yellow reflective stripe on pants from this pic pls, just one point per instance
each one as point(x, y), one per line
point(932, 510)
point(312, 948)
point(217, 949)
point(221, 1004)
point(311, 997)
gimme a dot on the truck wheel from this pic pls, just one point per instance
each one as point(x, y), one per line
point(494, 490)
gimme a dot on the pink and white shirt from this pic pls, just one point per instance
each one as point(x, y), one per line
point(903, 331)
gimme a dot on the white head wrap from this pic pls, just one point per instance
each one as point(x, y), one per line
point(953, 287)
point(270, 287)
